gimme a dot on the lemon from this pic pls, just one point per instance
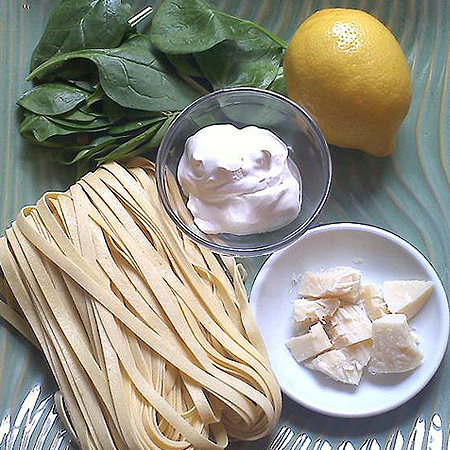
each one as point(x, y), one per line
point(348, 70)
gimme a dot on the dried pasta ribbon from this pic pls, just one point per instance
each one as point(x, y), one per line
point(150, 337)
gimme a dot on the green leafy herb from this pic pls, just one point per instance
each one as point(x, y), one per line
point(52, 99)
point(192, 26)
point(185, 65)
point(41, 128)
point(130, 127)
point(246, 62)
point(279, 83)
point(127, 148)
point(219, 49)
point(132, 75)
point(158, 136)
point(94, 125)
point(96, 147)
point(106, 92)
point(80, 115)
point(82, 24)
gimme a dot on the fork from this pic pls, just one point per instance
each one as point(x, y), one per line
point(284, 437)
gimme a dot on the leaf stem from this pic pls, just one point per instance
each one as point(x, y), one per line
point(281, 42)
point(194, 84)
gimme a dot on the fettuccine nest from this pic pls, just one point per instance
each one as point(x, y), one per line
point(151, 343)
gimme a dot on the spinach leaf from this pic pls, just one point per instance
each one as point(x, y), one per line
point(192, 26)
point(228, 51)
point(133, 75)
point(75, 71)
point(91, 110)
point(279, 83)
point(113, 111)
point(85, 85)
point(78, 115)
point(96, 96)
point(157, 138)
point(116, 113)
point(95, 125)
point(99, 146)
point(52, 99)
point(82, 24)
point(136, 76)
point(66, 157)
point(115, 92)
point(186, 65)
point(41, 128)
point(126, 149)
point(247, 62)
point(129, 127)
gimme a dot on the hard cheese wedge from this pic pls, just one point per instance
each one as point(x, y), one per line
point(342, 282)
point(373, 302)
point(310, 344)
point(406, 297)
point(307, 312)
point(394, 346)
point(349, 325)
point(344, 364)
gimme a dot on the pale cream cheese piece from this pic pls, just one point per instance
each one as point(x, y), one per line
point(310, 344)
point(394, 346)
point(306, 311)
point(407, 296)
point(342, 282)
point(344, 364)
point(373, 302)
point(349, 325)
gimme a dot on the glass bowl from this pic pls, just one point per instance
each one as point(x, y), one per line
point(242, 107)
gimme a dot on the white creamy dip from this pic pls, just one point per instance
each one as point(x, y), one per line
point(239, 180)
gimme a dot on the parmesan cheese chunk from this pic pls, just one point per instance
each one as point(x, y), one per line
point(407, 296)
point(349, 325)
point(310, 344)
point(341, 282)
point(373, 302)
point(345, 364)
point(394, 346)
point(306, 312)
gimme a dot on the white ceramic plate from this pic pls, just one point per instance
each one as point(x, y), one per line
point(381, 256)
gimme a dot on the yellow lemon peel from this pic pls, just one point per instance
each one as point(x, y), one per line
point(348, 70)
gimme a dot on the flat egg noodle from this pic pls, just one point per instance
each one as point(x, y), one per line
point(9, 313)
point(152, 343)
point(142, 264)
point(224, 319)
point(110, 302)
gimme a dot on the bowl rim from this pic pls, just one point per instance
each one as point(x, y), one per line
point(417, 255)
point(246, 251)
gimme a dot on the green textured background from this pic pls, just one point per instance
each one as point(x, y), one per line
point(407, 193)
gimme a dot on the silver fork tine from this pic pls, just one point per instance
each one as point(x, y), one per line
point(282, 439)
